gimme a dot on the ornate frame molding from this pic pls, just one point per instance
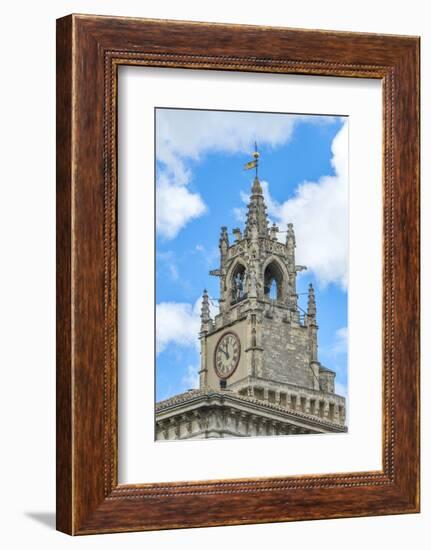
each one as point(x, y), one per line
point(90, 50)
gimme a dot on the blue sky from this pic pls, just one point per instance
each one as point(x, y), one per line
point(201, 185)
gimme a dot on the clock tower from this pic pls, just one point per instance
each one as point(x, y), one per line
point(259, 373)
point(260, 337)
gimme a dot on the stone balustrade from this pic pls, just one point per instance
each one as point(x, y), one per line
point(323, 405)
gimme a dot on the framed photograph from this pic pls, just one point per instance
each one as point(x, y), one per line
point(237, 274)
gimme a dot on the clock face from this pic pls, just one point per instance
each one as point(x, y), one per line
point(226, 355)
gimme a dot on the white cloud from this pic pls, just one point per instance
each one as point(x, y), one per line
point(176, 323)
point(169, 261)
point(239, 214)
point(184, 135)
point(319, 213)
point(179, 323)
point(341, 389)
point(176, 206)
point(340, 342)
point(208, 256)
point(214, 307)
point(190, 380)
point(333, 357)
point(337, 347)
point(245, 197)
point(189, 134)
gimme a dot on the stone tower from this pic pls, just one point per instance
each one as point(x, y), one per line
point(261, 348)
point(259, 305)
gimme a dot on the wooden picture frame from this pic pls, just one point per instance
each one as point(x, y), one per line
point(89, 51)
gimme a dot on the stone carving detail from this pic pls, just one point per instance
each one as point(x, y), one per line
point(252, 283)
point(238, 288)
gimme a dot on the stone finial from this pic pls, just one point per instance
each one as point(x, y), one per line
point(290, 236)
point(290, 244)
point(237, 233)
point(273, 232)
point(311, 309)
point(224, 241)
point(205, 311)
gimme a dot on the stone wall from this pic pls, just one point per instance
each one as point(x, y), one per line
point(287, 356)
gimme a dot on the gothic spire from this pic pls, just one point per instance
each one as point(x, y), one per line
point(256, 188)
point(256, 224)
point(256, 215)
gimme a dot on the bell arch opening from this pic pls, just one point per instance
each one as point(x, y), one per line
point(238, 283)
point(273, 281)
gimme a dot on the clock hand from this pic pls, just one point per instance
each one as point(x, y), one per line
point(225, 352)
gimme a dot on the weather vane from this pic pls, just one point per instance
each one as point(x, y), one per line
point(253, 163)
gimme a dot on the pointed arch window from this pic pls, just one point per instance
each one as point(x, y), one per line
point(273, 281)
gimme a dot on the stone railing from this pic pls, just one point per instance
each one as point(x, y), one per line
point(327, 406)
